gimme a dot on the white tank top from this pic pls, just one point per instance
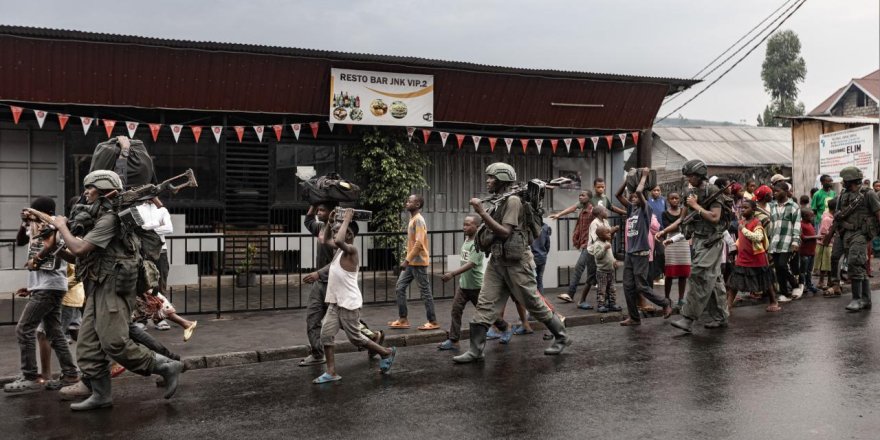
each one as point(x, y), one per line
point(342, 286)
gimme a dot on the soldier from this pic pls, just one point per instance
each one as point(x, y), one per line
point(857, 218)
point(706, 290)
point(107, 261)
point(511, 270)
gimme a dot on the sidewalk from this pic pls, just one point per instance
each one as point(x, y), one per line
point(242, 338)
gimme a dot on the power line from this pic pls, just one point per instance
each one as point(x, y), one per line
point(723, 74)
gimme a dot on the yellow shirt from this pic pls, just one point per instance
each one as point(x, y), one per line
point(417, 242)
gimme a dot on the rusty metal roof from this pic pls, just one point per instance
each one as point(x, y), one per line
point(730, 146)
point(870, 84)
point(84, 68)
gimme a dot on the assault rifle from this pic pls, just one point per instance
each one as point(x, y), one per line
point(841, 215)
point(692, 216)
point(533, 191)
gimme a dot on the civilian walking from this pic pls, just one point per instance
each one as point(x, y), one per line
point(415, 267)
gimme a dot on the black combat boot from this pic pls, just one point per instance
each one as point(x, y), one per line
point(101, 395)
point(478, 341)
point(856, 304)
point(561, 340)
point(866, 294)
point(170, 371)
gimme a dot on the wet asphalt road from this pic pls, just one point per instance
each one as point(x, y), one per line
point(810, 372)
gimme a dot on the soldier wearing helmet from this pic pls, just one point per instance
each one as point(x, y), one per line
point(107, 261)
point(856, 220)
point(707, 291)
point(511, 270)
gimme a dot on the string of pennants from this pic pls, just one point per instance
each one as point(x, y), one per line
point(278, 129)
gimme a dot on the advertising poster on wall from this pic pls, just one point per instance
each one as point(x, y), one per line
point(360, 97)
point(841, 149)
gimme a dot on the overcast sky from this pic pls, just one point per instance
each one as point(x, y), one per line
point(840, 38)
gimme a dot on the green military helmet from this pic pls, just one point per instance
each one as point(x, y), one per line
point(502, 171)
point(851, 173)
point(695, 166)
point(103, 180)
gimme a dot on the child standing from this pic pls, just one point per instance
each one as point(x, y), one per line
point(678, 252)
point(823, 253)
point(540, 249)
point(601, 251)
point(751, 272)
point(344, 301)
point(807, 251)
point(579, 240)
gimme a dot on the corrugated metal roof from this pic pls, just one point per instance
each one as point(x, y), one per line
point(81, 68)
point(836, 119)
point(730, 146)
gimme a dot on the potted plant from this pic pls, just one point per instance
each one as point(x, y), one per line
point(244, 276)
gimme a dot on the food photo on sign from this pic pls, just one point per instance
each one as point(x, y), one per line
point(381, 98)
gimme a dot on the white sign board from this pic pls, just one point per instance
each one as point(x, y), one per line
point(841, 149)
point(362, 97)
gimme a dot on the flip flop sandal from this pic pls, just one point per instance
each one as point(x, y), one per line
point(429, 326)
point(385, 363)
point(773, 309)
point(398, 325)
point(519, 330)
point(188, 332)
point(309, 361)
point(326, 378)
point(116, 370)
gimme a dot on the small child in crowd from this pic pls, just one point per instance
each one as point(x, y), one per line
point(751, 272)
point(807, 251)
point(677, 252)
point(601, 251)
point(823, 253)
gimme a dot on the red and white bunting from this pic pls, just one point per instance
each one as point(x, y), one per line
point(278, 128)
point(296, 129)
point(217, 130)
point(87, 123)
point(525, 144)
point(635, 136)
point(62, 120)
point(330, 124)
point(197, 131)
point(610, 139)
point(476, 140)
point(595, 140)
point(539, 142)
point(349, 127)
point(41, 117)
point(622, 137)
point(553, 143)
point(567, 142)
point(175, 130)
point(16, 113)
point(443, 136)
point(132, 127)
point(154, 130)
point(508, 142)
point(492, 144)
point(239, 132)
point(259, 130)
point(108, 126)
point(426, 134)
point(460, 139)
point(409, 132)
point(581, 142)
point(314, 126)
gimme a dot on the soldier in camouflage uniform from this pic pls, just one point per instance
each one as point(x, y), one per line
point(511, 270)
point(856, 220)
point(706, 291)
point(107, 261)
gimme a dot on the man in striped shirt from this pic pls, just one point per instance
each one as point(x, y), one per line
point(785, 238)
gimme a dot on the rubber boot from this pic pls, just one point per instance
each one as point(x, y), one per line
point(101, 395)
point(561, 340)
point(684, 323)
point(866, 294)
point(170, 371)
point(478, 342)
point(856, 304)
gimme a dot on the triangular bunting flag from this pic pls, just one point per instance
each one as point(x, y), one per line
point(349, 127)
point(175, 130)
point(330, 124)
point(16, 113)
point(460, 139)
point(539, 142)
point(508, 142)
point(154, 130)
point(443, 136)
point(41, 117)
point(132, 127)
point(62, 120)
point(635, 136)
point(87, 123)
point(622, 137)
point(314, 126)
point(239, 132)
point(426, 134)
point(197, 131)
point(296, 129)
point(409, 132)
point(108, 126)
point(278, 128)
point(259, 130)
point(217, 130)
point(567, 142)
point(476, 140)
point(525, 144)
point(595, 140)
point(553, 143)
point(581, 143)
point(492, 144)
point(610, 139)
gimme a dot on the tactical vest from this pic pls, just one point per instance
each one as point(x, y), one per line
point(862, 219)
point(700, 227)
point(511, 250)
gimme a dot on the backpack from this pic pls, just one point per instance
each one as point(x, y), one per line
point(133, 165)
point(330, 188)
